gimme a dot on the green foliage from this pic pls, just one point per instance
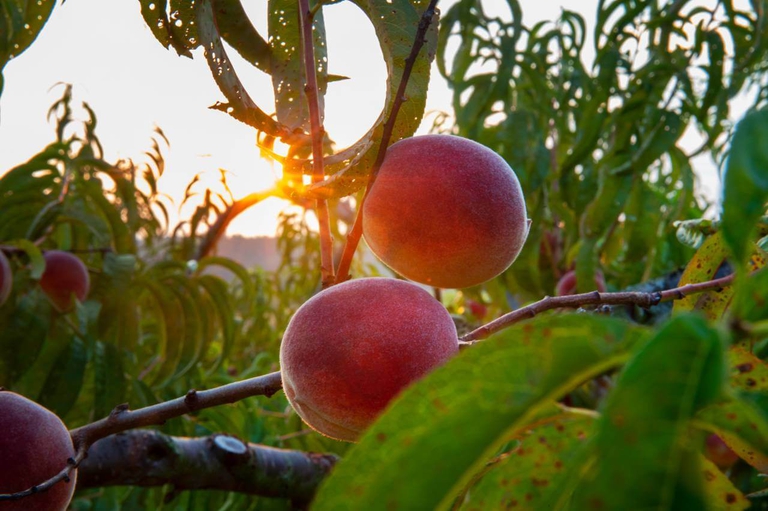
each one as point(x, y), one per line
point(395, 23)
point(20, 23)
point(562, 411)
point(746, 183)
point(155, 324)
point(592, 125)
point(444, 428)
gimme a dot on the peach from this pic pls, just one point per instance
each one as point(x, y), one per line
point(445, 211)
point(35, 446)
point(567, 283)
point(351, 348)
point(718, 452)
point(65, 278)
point(6, 278)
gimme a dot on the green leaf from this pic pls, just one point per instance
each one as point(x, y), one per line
point(442, 430)
point(701, 268)
point(109, 381)
point(63, 384)
point(287, 65)
point(395, 24)
point(36, 259)
point(531, 476)
point(20, 23)
point(742, 426)
point(748, 372)
point(745, 187)
point(720, 492)
point(237, 269)
point(238, 31)
point(642, 453)
point(217, 290)
point(23, 331)
point(240, 105)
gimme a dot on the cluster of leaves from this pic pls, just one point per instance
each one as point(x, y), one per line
point(186, 26)
point(592, 122)
point(155, 323)
point(585, 411)
point(20, 23)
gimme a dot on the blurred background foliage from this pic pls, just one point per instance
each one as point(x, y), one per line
point(590, 113)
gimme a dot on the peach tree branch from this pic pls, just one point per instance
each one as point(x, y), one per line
point(316, 126)
point(638, 298)
point(218, 462)
point(122, 419)
point(353, 238)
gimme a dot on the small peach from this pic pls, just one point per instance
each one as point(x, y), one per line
point(718, 452)
point(65, 278)
point(353, 347)
point(567, 283)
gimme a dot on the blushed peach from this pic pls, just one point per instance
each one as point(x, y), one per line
point(353, 347)
point(65, 278)
point(445, 211)
point(35, 446)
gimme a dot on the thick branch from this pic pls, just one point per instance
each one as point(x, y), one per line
point(594, 298)
point(318, 171)
point(122, 419)
point(353, 238)
point(218, 462)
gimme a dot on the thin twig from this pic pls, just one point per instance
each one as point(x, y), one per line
point(353, 238)
point(641, 299)
point(123, 419)
point(318, 170)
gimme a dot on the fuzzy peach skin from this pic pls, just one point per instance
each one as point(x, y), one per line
point(353, 347)
point(34, 446)
point(445, 211)
point(65, 275)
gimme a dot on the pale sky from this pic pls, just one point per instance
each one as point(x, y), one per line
point(107, 52)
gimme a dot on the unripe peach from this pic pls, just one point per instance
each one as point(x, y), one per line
point(65, 278)
point(353, 347)
point(445, 211)
point(567, 283)
point(6, 278)
point(34, 446)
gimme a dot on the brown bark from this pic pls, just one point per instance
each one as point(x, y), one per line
point(218, 462)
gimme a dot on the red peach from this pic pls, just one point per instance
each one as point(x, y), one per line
point(478, 310)
point(353, 347)
point(35, 446)
point(65, 277)
point(445, 211)
point(567, 283)
point(718, 452)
